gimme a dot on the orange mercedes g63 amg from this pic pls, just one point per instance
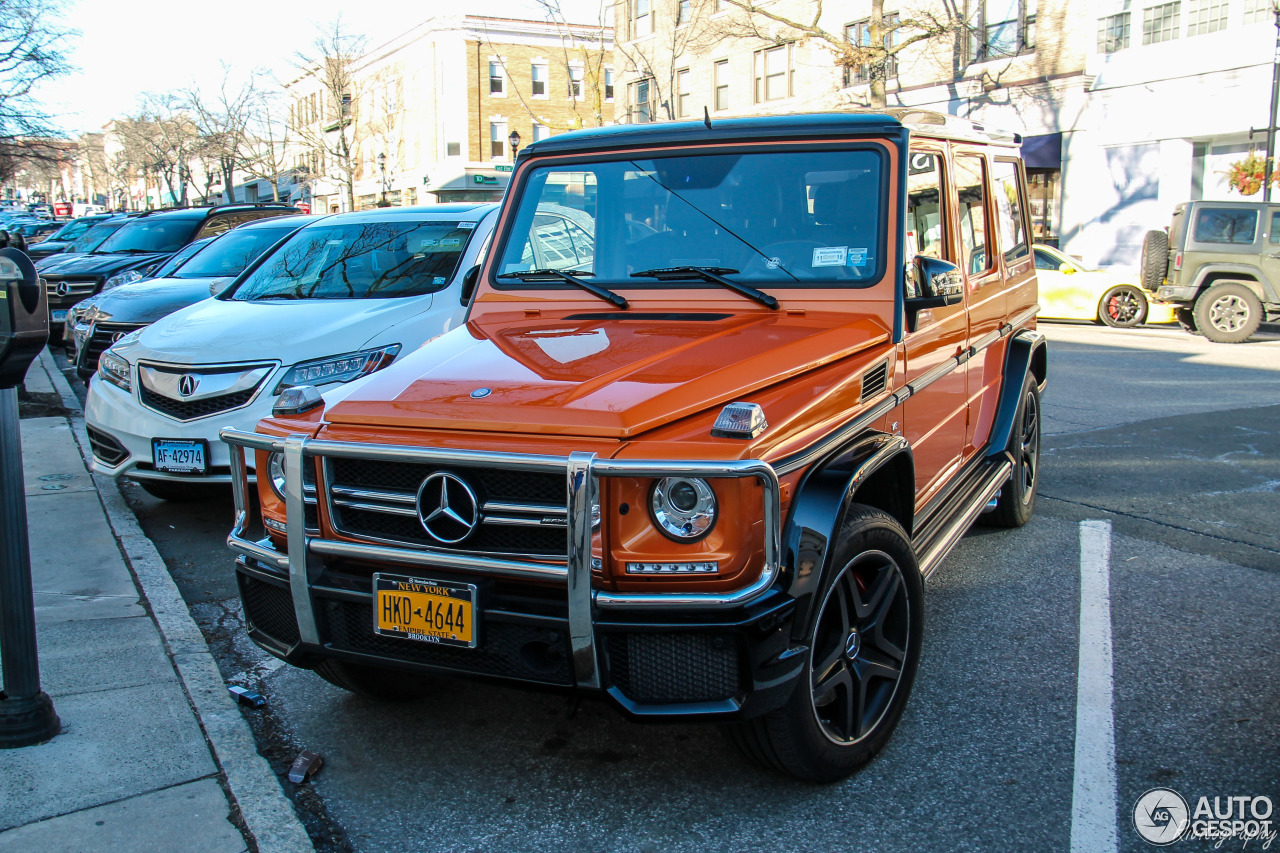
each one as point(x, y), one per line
point(727, 394)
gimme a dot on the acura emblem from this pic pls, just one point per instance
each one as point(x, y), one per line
point(187, 385)
point(448, 508)
point(64, 289)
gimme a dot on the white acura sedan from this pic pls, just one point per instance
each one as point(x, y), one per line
point(341, 298)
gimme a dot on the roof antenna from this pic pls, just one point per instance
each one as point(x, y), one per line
point(706, 116)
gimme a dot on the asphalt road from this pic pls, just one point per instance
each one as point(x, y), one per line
point(1172, 440)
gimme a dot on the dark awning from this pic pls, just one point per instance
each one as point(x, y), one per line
point(1042, 152)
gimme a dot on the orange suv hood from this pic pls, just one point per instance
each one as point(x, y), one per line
point(603, 375)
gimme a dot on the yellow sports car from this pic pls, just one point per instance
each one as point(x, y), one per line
point(1072, 290)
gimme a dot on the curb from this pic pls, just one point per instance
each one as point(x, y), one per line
point(266, 811)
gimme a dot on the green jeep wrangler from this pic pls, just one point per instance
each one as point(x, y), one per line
point(1220, 263)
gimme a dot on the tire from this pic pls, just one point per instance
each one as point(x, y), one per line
point(1228, 313)
point(1187, 320)
point(1017, 499)
point(1155, 260)
point(182, 493)
point(371, 682)
point(1123, 307)
point(864, 649)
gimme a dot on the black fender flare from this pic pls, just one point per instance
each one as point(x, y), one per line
point(819, 508)
point(1028, 351)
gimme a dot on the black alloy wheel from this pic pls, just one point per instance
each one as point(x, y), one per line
point(863, 652)
point(1017, 500)
point(1123, 307)
point(859, 648)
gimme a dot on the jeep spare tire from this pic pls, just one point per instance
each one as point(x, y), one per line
point(1155, 260)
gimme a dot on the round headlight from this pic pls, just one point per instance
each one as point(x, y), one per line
point(684, 508)
point(275, 474)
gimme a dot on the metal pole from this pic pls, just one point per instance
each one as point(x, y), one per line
point(26, 712)
point(1271, 123)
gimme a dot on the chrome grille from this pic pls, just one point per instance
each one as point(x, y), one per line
point(102, 336)
point(521, 512)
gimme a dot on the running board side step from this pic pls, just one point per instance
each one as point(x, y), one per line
point(934, 549)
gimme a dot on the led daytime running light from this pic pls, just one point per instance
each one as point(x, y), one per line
point(710, 568)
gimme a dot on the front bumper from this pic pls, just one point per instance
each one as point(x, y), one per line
point(692, 655)
point(126, 427)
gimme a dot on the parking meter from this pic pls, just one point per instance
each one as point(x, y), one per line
point(26, 712)
point(24, 316)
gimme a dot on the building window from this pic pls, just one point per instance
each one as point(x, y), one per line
point(608, 84)
point(453, 149)
point(539, 89)
point(720, 79)
point(575, 82)
point(497, 82)
point(641, 110)
point(540, 132)
point(1113, 33)
point(1206, 16)
point(682, 93)
point(859, 33)
point(1002, 28)
point(497, 140)
point(774, 73)
point(642, 20)
point(682, 12)
point(1258, 12)
point(1160, 23)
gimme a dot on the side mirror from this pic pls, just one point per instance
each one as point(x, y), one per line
point(1066, 268)
point(931, 283)
point(469, 285)
point(24, 316)
point(18, 241)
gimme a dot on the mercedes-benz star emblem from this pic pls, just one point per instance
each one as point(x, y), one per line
point(481, 392)
point(448, 508)
point(118, 335)
point(188, 384)
point(64, 289)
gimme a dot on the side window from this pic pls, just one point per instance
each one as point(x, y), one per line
point(1225, 225)
point(925, 232)
point(221, 224)
point(1009, 218)
point(1046, 261)
point(1274, 239)
point(971, 187)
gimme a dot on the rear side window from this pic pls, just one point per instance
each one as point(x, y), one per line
point(1009, 219)
point(1275, 228)
point(1225, 225)
point(972, 190)
point(221, 224)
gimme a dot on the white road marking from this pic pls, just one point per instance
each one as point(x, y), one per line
point(1093, 796)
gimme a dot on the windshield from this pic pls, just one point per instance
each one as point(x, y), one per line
point(72, 230)
point(179, 257)
point(371, 260)
point(146, 234)
point(91, 239)
point(229, 254)
point(806, 216)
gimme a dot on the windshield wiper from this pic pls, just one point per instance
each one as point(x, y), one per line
point(713, 274)
point(572, 277)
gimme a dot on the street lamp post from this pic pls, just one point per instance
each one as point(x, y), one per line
point(514, 139)
point(382, 164)
point(1271, 122)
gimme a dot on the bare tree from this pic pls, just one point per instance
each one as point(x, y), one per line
point(657, 59)
point(221, 120)
point(92, 159)
point(886, 36)
point(335, 136)
point(32, 47)
point(266, 141)
point(162, 139)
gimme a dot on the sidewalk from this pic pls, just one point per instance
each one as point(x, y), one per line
point(153, 754)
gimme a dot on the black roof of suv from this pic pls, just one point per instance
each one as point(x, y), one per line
point(143, 242)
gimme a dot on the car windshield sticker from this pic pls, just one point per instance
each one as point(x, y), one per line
point(831, 256)
point(858, 257)
point(465, 225)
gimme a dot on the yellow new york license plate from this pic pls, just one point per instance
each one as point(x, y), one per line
point(425, 610)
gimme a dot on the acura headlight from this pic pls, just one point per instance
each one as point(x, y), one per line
point(126, 277)
point(115, 370)
point(684, 508)
point(338, 368)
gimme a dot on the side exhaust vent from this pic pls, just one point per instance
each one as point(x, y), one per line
point(873, 381)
